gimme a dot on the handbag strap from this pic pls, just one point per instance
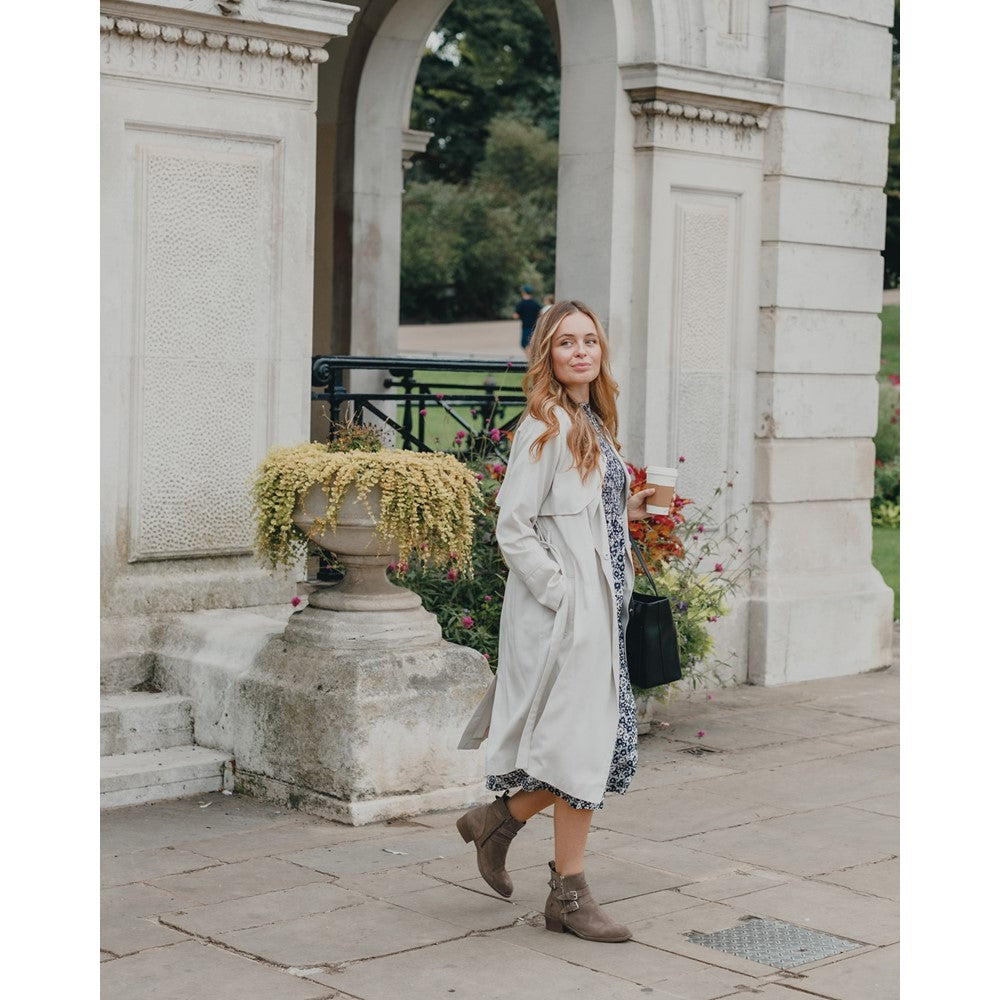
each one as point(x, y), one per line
point(642, 563)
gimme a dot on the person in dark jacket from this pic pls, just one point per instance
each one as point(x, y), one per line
point(527, 311)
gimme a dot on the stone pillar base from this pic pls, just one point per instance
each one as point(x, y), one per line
point(828, 624)
point(357, 716)
point(361, 812)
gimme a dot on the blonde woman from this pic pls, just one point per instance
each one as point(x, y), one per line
point(560, 714)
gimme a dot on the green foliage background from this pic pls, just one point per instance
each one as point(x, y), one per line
point(479, 209)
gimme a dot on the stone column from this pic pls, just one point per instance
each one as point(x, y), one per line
point(699, 147)
point(818, 607)
point(208, 164)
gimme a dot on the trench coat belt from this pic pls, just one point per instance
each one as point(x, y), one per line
point(479, 725)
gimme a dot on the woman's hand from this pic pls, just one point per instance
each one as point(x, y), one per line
point(636, 506)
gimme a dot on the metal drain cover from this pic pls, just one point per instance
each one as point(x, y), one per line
point(772, 942)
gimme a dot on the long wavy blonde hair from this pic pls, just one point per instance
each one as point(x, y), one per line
point(544, 392)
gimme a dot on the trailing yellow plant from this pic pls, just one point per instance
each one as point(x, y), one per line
point(428, 501)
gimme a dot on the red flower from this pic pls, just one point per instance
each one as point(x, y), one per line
point(718, 567)
point(680, 458)
point(467, 622)
point(701, 732)
point(296, 601)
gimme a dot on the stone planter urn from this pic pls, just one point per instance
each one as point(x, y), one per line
point(363, 552)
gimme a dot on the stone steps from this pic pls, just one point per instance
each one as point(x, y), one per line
point(173, 772)
point(136, 722)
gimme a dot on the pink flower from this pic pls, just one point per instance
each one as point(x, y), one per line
point(708, 697)
point(713, 618)
point(296, 601)
point(467, 622)
point(423, 412)
point(495, 434)
point(701, 732)
point(479, 477)
point(460, 435)
point(453, 573)
point(894, 379)
point(680, 458)
point(488, 597)
point(486, 657)
point(439, 395)
point(718, 567)
point(474, 412)
point(392, 567)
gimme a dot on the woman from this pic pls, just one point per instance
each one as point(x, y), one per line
point(560, 714)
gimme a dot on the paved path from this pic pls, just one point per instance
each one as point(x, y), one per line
point(786, 810)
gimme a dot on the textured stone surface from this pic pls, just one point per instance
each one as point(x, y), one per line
point(362, 733)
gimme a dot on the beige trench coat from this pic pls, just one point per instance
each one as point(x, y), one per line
point(553, 706)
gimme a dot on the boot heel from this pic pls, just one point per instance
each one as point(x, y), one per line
point(465, 829)
point(551, 924)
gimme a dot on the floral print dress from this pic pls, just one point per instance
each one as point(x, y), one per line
point(625, 756)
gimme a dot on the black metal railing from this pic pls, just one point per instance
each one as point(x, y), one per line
point(477, 409)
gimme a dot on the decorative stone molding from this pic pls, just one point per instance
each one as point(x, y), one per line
point(712, 115)
point(173, 34)
point(694, 108)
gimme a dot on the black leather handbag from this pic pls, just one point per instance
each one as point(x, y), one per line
point(651, 638)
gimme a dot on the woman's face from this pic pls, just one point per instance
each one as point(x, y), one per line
point(576, 355)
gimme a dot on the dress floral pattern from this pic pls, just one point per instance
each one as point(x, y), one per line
point(625, 756)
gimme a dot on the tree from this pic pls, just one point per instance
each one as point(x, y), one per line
point(487, 59)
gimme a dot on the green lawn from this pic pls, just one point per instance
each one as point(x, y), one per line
point(440, 427)
point(890, 341)
point(885, 556)
point(885, 541)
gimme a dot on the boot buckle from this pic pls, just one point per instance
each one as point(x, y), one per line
point(569, 900)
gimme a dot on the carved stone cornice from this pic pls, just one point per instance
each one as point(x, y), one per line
point(698, 95)
point(673, 106)
point(238, 42)
point(165, 44)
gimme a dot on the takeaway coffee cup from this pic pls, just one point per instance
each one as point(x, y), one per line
point(664, 480)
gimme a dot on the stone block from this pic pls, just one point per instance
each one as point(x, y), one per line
point(132, 778)
point(806, 276)
point(174, 971)
point(791, 470)
point(137, 721)
point(808, 143)
point(817, 406)
point(801, 210)
point(805, 843)
point(818, 342)
point(837, 52)
point(811, 624)
point(816, 536)
point(872, 974)
point(867, 11)
point(345, 719)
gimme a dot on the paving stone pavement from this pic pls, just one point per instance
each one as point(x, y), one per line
point(787, 810)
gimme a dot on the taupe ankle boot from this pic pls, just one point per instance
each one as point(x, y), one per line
point(492, 828)
point(571, 907)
